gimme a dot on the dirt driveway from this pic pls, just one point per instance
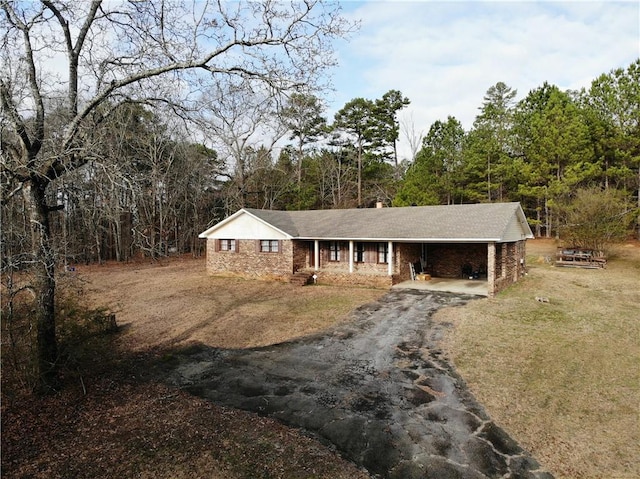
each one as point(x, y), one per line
point(377, 387)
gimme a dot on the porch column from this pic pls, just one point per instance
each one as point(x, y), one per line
point(515, 251)
point(350, 256)
point(316, 255)
point(491, 268)
point(390, 259)
point(504, 253)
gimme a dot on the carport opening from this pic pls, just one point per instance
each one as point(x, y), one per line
point(449, 267)
point(466, 261)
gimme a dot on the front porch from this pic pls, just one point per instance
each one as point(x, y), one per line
point(493, 266)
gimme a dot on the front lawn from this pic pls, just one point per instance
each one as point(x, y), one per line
point(561, 377)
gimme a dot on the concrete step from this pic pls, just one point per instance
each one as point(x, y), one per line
point(300, 278)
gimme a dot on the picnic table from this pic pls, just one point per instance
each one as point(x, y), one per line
point(580, 258)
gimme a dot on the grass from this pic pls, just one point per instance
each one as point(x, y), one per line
point(177, 304)
point(562, 377)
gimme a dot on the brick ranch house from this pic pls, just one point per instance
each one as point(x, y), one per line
point(374, 247)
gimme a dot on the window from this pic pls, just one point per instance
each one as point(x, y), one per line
point(269, 246)
point(383, 252)
point(358, 253)
point(334, 251)
point(227, 245)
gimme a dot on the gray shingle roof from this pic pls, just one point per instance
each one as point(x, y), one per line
point(485, 221)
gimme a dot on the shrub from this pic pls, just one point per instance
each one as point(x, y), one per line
point(593, 218)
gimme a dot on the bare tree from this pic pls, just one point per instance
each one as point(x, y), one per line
point(413, 137)
point(153, 52)
point(240, 119)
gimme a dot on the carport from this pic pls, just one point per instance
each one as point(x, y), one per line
point(473, 265)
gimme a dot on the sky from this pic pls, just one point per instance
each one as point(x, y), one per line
point(445, 55)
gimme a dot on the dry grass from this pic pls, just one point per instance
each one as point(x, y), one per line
point(178, 303)
point(562, 377)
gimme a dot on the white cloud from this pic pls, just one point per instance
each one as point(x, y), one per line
point(445, 55)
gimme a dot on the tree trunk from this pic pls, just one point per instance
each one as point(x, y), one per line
point(360, 175)
point(639, 203)
point(638, 219)
point(45, 284)
point(489, 177)
point(538, 220)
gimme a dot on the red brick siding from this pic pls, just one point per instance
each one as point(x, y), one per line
point(510, 265)
point(370, 264)
point(346, 279)
point(301, 258)
point(249, 261)
point(405, 254)
point(446, 260)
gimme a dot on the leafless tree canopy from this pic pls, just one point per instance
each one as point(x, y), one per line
point(68, 68)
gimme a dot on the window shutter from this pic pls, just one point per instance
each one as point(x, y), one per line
point(257, 246)
point(237, 245)
point(216, 245)
point(279, 246)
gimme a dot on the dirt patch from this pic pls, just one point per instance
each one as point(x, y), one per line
point(113, 420)
point(126, 426)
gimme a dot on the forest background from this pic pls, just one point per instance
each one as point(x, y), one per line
point(150, 187)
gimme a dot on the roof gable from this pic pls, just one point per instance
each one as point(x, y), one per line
point(244, 225)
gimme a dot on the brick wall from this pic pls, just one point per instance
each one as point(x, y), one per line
point(446, 260)
point(405, 254)
point(443, 260)
point(328, 277)
point(369, 265)
point(509, 265)
point(248, 261)
point(300, 254)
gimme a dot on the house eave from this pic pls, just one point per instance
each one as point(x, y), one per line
point(403, 240)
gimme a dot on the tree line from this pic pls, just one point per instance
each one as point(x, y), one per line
point(539, 150)
point(150, 187)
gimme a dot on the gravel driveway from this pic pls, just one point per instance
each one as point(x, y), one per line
point(378, 388)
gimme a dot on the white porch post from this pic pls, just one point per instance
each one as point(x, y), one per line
point(316, 255)
point(390, 259)
point(350, 256)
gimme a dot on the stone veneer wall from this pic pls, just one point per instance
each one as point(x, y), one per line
point(248, 261)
